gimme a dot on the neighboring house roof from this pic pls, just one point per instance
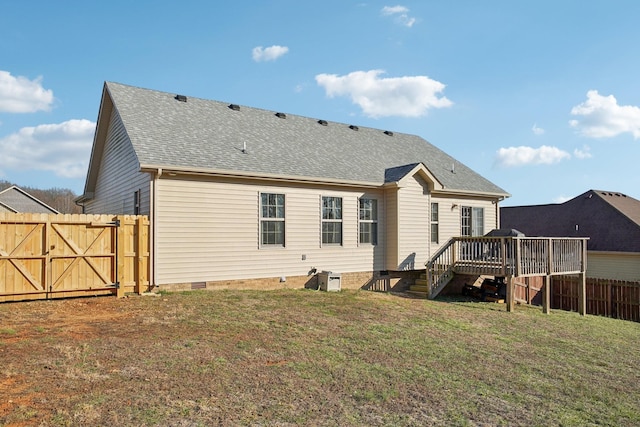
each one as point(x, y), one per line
point(217, 137)
point(611, 220)
point(6, 208)
point(15, 199)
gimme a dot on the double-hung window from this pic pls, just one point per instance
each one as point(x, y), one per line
point(435, 238)
point(369, 221)
point(472, 221)
point(332, 220)
point(272, 219)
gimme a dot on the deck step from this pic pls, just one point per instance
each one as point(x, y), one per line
point(418, 294)
point(419, 288)
point(421, 282)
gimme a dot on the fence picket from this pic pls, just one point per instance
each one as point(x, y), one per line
point(51, 256)
point(611, 298)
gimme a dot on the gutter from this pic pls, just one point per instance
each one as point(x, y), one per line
point(174, 171)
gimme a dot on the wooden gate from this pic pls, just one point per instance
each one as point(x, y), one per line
point(54, 256)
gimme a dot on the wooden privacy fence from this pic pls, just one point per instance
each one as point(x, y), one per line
point(612, 298)
point(54, 256)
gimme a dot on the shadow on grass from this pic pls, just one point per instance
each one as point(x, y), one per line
point(457, 299)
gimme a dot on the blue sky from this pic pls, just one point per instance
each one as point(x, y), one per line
point(542, 98)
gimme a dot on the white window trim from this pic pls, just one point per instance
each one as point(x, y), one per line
point(323, 221)
point(436, 223)
point(368, 221)
point(262, 219)
point(473, 231)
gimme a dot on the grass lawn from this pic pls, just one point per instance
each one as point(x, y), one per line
point(302, 357)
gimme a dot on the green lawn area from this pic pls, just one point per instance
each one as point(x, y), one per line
point(302, 357)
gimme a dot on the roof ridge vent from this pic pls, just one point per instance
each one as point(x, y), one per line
point(323, 122)
point(181, 98)
point(234, 107)
point(281, 115)
point(353, 127)
point(388, 132)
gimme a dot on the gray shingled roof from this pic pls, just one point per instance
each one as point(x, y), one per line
point(17, 200)
point(208, 135)
point(611, 220)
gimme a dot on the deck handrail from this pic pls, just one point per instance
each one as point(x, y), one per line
point(440, 265)
point(508, 256)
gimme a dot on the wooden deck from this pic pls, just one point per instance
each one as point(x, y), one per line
point(508, 257)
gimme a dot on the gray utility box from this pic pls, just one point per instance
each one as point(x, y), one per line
point(328, 281)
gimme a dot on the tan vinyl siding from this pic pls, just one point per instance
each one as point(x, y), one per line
point(208, 231)
point(408, 215)
point(391, 216)
point(119, 177)
point(612, 265)
point(413, 224)
point(449, 218)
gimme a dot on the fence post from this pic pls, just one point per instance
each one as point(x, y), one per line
point(48, 268)
point(120, 257)
point(608, 305)
point(140, 247)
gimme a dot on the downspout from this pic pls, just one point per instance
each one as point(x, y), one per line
point(154, 225)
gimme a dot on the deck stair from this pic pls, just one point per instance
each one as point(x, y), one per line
point(420, 288)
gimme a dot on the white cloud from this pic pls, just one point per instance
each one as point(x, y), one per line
point(537, 130)
point(521, 156)
point(391, 10)
point(270, 53)
point(409, 96)
point(401, 14)
point(602, 117)
point(21, 95)
point(60, 148)
point(584, 153)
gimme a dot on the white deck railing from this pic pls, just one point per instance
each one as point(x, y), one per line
point(506, 256)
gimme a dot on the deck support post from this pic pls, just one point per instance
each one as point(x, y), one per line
point(510, 293)
point(546, 303)
point(582, 284)
point(582, 294)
